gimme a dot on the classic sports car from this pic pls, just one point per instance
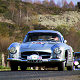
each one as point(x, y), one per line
point(41, 48)
point(77, 60)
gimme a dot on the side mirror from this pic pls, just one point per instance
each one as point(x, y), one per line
point(65, 41)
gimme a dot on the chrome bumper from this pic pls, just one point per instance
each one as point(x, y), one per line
point(39, 61)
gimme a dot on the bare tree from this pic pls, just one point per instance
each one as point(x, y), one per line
point(65, 4)
point(58, 4)
point(71, 5)
point(27, 1)
point(4, 44)
point(52, 3)
point(12, 8)
point(19, 14)
point(37, 1)
point(46, 3)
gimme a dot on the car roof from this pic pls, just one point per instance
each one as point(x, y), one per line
point(45, 31)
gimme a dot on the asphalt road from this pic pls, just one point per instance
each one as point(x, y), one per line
point(40, 75)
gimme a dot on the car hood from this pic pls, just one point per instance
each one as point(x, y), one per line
point(37, 46)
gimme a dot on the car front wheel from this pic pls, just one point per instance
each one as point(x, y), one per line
point(71, 67)
point(61, 66)
point(14, 66)
point(23, 67)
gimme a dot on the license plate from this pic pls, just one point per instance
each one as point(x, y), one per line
point(34, 61)
point(34, 57)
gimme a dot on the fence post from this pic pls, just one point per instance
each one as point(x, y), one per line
point(8, 63)
point(3, 60)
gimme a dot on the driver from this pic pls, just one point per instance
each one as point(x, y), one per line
point(55, 38)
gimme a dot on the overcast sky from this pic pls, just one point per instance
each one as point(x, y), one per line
point(74, 1)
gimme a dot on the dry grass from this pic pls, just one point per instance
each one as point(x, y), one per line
point(4, 43)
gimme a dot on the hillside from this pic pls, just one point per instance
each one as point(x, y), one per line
point(2, 19)
point(68, 18)
point(24, 13)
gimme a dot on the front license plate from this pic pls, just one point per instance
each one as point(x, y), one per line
point(34, 57)
point(34, 61)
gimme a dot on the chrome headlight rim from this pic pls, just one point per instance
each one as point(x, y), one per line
point(76, 63)
point(57, 50)
point(13, 50)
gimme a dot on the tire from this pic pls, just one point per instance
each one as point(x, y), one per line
point(61, 66)
point(74, 67)
point(14, 66)
point(70, 68)
point(23, 67)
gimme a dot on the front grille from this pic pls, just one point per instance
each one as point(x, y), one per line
point(44, 55)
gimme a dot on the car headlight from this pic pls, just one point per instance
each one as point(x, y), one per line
point(13, 50)
point(57, 50)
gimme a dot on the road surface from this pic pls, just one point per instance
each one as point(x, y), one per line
point(40, 75)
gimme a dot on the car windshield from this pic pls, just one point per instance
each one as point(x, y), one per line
point(77, 55)
point(43, 37)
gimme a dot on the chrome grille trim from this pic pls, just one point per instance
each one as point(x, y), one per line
point(44, 55)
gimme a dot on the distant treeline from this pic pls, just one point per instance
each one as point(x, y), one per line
point(62, 3)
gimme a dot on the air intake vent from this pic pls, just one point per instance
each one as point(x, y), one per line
point(44, 55)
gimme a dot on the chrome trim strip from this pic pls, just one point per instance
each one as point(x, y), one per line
point(43, 60)
point(15, 59)
point(56, 60)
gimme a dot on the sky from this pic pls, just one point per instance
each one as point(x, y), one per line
point(74, 1)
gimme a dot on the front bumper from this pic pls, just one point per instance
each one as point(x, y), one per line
point(36, 61)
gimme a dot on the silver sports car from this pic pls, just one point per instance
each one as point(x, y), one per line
point(41, 48)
